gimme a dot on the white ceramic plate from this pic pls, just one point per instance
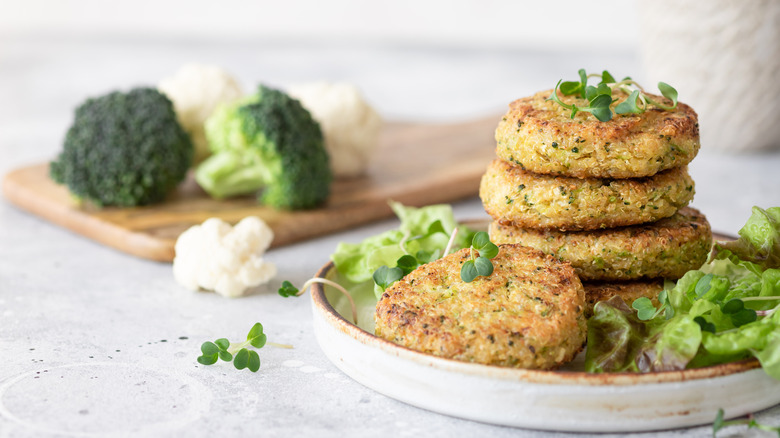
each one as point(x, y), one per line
point(563, 400)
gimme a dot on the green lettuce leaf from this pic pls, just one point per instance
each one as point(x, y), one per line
point(769, 356)
point(759, 239)
point(615, 336)
point(725, 311)
point(351, 259)
point(704, 358)
point(747, 337)
point(760, 339)
point(416, 221)
point(681, 296)
point(423, 232)
point(618, 341)
point(671, 347)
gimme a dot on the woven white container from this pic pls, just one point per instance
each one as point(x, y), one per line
point(723, 56)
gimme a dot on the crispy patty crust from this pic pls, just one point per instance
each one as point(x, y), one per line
point(540, 136)
point(513, 196)
point(528, 313)
point(667, 248)
point(627, 290)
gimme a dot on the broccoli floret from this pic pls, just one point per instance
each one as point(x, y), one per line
point(124, 149)
point(266, 142)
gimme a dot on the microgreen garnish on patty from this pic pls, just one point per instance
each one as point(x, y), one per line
point(600, 98)
point(481, 265)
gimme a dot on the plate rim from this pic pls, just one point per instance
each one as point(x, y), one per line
point(557, 400)
point(537, 376)
point(583, 378)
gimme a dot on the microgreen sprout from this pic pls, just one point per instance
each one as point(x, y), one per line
point(703, 285)
point(288, 290)
point(451, 242)
point(705, 325)
point(764, 298)
point(750, 422)
point(600, 98)
point(385, 276)
point(481, 265)
point(739, 315)
point(237, 352)
point(647, 311)
point(734, 308)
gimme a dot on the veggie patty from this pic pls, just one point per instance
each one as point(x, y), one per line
point(513, 196)
point(528, 313)
point(540, 136)
point(627, 290)
point(667, 248)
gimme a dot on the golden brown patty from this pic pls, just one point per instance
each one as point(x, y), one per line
point(667, 248)
point(528, 313)
point(541, 137)
point(627, 290)
point(513, 196)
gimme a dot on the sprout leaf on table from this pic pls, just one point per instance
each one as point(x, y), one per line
point(238, 353)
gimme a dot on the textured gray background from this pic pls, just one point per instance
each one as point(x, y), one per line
point(99, 343)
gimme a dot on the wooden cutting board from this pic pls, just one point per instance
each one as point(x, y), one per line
point(415, 164)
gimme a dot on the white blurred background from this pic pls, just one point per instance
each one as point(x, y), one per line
point(426, 61)
point(420, 60)
point(458, 23)
point(414, 60)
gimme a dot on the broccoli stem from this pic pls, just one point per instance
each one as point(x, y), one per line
point(226, 174)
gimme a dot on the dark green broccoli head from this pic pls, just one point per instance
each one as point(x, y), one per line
point(124, 149)
point(267, 142)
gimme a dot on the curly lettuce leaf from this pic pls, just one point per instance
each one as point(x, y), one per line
point(671, 347)
point(746, 280)
point(615, 335)
point(760, 339)
point(725, 311)
point(351, 259)
point(423, 233)
point(748, 337)
point(769, 356)
point(416, 221)
point(759, 240)
point(682, 295)
point(618, 341)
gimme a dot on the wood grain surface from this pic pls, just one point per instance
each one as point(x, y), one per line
point(415, 164)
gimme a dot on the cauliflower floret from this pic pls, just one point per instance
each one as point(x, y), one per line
point(228, 260)
point(196, 90)
point(349, 124)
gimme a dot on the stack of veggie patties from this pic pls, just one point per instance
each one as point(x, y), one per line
point(608, 197)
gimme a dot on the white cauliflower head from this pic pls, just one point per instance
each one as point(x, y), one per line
point(228, 260)
point(196, 90)
point(349, 124)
